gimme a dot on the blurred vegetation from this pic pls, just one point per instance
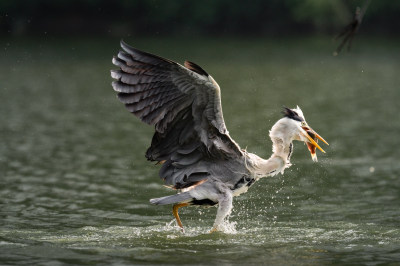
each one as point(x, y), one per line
point(207, 17)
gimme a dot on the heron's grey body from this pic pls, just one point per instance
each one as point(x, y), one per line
point(199, 158)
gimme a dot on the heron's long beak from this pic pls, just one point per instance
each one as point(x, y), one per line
point(312, 138)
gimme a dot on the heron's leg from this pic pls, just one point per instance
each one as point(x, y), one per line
point(350, 41)
point(347, 36)
point(224, 208)
point(175, 212)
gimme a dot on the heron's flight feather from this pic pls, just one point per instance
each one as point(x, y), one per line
point(184, 105)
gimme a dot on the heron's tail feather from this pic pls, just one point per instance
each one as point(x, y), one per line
point(181, 197)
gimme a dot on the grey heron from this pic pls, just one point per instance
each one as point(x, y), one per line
point(351, 29)
point(199, 159)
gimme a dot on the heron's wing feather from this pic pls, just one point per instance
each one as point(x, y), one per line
point(184, 105)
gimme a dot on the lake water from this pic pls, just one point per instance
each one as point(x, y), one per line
point(75, 185)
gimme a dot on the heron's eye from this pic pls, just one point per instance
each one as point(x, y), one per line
point(303, 123)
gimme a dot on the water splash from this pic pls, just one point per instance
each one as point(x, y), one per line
point(228, 227)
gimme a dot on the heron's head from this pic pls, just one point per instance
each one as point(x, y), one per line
point(294, 127)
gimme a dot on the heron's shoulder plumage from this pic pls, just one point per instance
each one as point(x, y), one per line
point(196, 68)
point(184, 105)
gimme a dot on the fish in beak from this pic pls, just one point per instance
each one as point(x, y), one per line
point(312, 141)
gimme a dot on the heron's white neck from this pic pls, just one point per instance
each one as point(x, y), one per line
point(282, 135)
point(282, 148)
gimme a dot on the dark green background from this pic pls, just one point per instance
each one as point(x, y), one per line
point(177, 17)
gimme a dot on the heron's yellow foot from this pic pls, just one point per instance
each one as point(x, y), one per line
point(175, 212)
point(214, 229)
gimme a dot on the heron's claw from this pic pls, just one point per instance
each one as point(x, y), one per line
point(214, 229)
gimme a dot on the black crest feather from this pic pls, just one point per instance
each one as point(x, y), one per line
point(289, 113)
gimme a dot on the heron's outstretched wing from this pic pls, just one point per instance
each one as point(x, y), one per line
point(184, 105)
